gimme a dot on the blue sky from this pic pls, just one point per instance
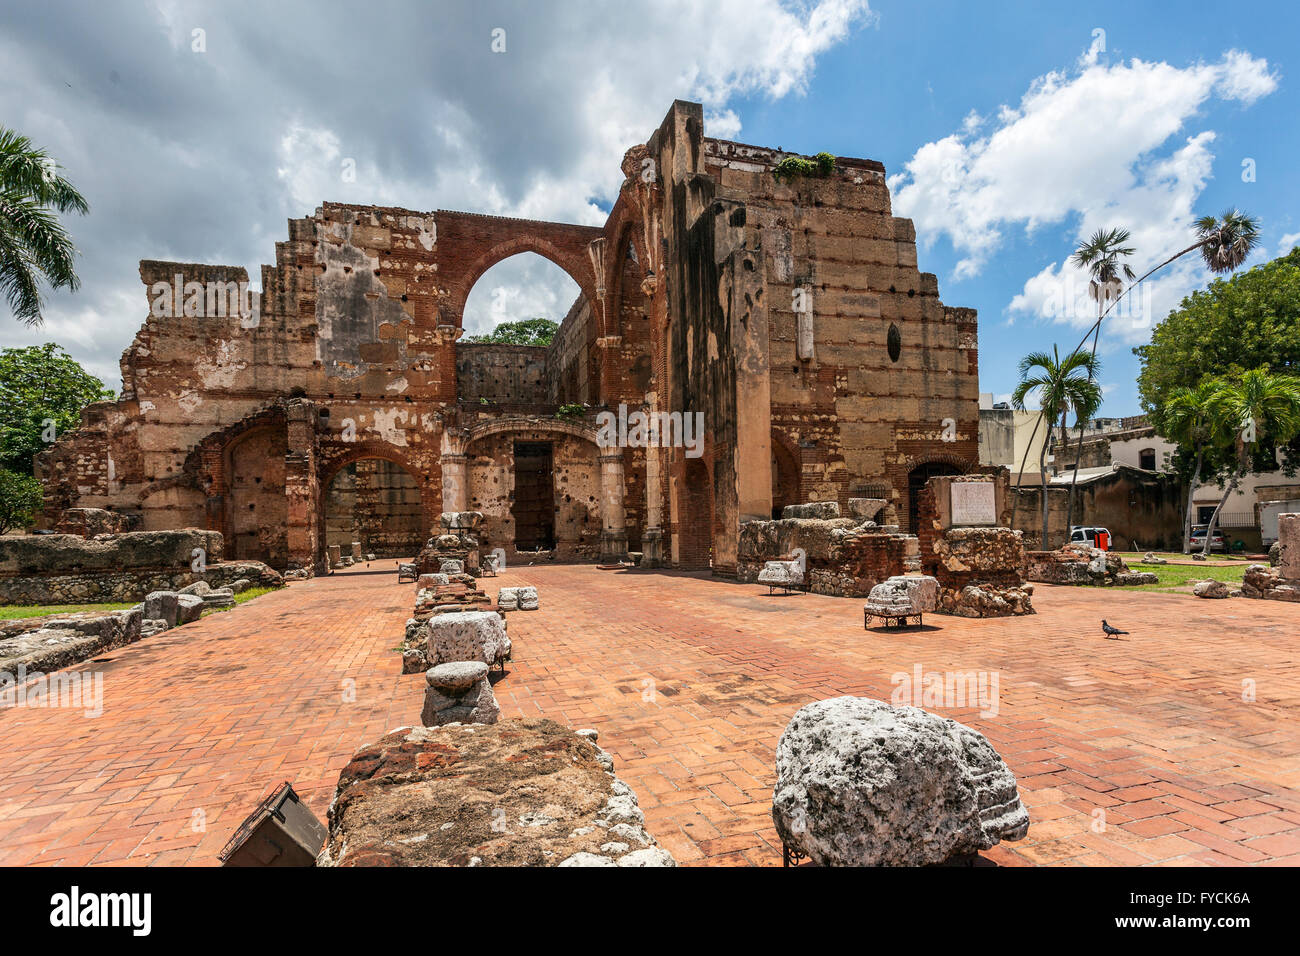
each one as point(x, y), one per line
point(1007, 130)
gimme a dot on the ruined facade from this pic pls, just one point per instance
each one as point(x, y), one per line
point(789, 311)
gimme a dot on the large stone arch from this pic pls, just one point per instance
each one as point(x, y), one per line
point(919, 470)
point(334, 457)
point(470, 244)
point(581, 486)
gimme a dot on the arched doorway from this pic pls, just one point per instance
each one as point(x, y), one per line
point(257, 512)
point(376, 502)
point(916, 479)
point(785, 478)
point(695, 523)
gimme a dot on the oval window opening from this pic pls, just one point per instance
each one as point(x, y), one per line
point(894, 342)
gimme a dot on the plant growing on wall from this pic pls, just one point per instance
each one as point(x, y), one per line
point(796, 167)
point(572, 411)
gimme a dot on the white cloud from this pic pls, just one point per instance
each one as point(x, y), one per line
point(1097, 147)
point(203, 156)
point(1288, 242)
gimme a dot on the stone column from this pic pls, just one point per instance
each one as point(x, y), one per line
point(301, 486)
point(455, 493)
point(1288, 536)
point(652, 538)
point(613, 515)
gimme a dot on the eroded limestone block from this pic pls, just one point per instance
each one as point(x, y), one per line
point(863, 783)
point(910, 594)
point(459, 693)
point(518, 599)
point(189, 607)
point(467, 636)
point(460, 520)
point(1211, 589)
point(451, 566)
point(823, 510)
point(431, 581)
point(161, 606)
point(786, 574)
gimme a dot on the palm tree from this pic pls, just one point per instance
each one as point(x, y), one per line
point(1259, 404)
point(33, 243)
point(1104, 257)
point(1061, 384)
point(1188, 420)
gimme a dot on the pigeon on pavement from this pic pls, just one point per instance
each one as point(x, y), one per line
point(1112, 633)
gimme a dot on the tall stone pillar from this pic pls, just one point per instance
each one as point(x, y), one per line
point(301, 486)
point(613, 515)
point(652, 538)
point(455, 491)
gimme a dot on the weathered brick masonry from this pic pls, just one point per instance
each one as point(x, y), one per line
point(790, 313)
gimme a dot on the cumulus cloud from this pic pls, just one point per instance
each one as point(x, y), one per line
point(1093, 147)
point(202, 154)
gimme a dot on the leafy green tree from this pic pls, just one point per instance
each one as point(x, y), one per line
point(33, 242)
point(20, 499)
point(1188, 419)
point(1251, 320)
point(1061, 385)
point(1257, 409)
point(42, 393)
point(538, 331)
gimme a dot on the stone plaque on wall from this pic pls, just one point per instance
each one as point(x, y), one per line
point(973, 503)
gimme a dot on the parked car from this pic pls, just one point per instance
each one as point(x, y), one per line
point(1197, 540)
point(1090, 535)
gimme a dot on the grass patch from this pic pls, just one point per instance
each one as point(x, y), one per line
point(240, 598)
point(12, 612)
point(1174, 576)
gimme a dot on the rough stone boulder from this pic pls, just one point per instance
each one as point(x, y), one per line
point(1275, 553)
point(517, 599)
point(466, 636)
point(1267, 583)
point(513, 793)
point(1152, 558)
point(1210, 589)
point(431, 581)
point(904, 594)
point(824, 510)
point(862, 783)
point(459, 693)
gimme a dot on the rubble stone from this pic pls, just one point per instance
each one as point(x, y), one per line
point(863, 783)
point(513, 793)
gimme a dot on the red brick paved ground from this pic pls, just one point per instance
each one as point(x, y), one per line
point(690, 682)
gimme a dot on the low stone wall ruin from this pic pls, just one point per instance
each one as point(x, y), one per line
point(116, 568)
point(845, 557)
point(1082, 565)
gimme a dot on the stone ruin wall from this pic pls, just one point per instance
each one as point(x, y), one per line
point(686, 304)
